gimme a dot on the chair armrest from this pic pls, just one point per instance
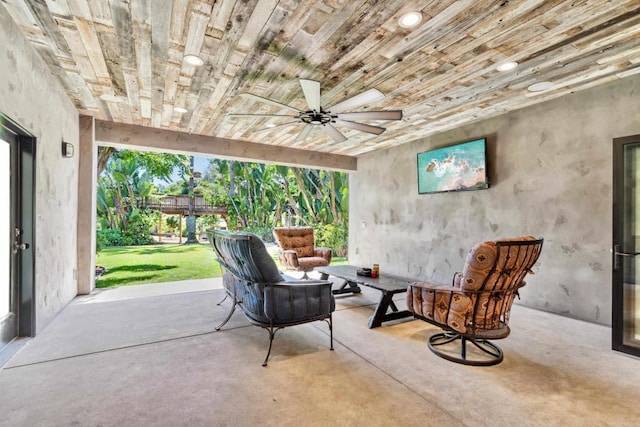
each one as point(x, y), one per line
point(289, 258)
point(324, 253)
point(434, 287)
point(290, 302)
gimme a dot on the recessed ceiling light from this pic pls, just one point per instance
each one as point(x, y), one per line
point(409, 20)
point(111, 98)
point(539, 87)
point(270, 125)
point(180, 110)
point(507, 66)
point(193, 60)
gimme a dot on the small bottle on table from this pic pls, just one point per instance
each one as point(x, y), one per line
point(376, 270)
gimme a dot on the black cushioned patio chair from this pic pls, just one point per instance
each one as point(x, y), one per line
point(266, 297)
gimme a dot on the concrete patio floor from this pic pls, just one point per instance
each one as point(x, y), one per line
point(149, 355)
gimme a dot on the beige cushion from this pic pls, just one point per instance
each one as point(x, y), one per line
point(299, 239)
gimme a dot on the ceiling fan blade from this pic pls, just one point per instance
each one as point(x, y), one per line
point(368, 97)
point(377, 130)
point(372, 115)
point(334, 133)
point(262, 115)
point(311, 90)
point(304, 134)
point(278, 126)
point(268, 101)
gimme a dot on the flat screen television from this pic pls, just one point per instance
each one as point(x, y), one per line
point(459, 167)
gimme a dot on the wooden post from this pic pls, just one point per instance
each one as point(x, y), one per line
point(180, 229)
point(160, 228)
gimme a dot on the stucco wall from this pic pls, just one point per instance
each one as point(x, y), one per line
point(550, 167)
point(30, 96)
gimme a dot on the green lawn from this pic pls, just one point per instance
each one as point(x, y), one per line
point(135, 265)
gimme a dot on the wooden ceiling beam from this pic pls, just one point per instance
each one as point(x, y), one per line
point(148, 138)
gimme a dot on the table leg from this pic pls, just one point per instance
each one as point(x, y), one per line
point(347, 288)
point(380, 315)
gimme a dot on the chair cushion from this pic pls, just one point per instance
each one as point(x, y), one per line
point(481, 297)
point(481, 259)
point(263, 260)
point(299, 239)
point(308, 263)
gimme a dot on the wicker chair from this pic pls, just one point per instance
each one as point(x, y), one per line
point(267, 298)
point(298, 251)
point(476, 307)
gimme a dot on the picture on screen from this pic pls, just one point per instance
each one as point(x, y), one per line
point(460, 167)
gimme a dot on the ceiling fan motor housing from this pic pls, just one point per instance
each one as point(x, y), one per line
point(316, 118)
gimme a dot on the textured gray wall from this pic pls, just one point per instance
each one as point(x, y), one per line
point(30, 96)
point(550, 167)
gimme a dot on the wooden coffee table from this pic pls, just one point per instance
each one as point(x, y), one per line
point(388, 284)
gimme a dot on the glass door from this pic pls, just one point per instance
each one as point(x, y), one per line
point(626, 245)
point(8, 289)
point(17, 260)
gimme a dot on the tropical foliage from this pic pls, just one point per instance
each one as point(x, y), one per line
point(123, 187)
point(258, 197)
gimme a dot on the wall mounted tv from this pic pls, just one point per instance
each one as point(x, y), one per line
point(460, 167)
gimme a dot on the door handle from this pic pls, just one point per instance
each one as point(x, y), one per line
point(617, 253)
point(17, 246)
point(627, 254)
point(20, 247)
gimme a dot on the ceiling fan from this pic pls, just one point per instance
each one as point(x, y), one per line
point(336, 115)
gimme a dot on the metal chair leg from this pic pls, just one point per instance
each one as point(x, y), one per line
point(223, 299)
point(233, 308)
point(330, 323)
point(272, 334)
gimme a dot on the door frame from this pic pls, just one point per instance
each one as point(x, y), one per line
point(24, 212)
point(617, 282)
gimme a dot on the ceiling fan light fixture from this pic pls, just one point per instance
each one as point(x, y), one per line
point(540, 87)
point(410, 19)
point(193, 60)
point(507, 66)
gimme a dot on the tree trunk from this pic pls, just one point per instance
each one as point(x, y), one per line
point(305, 196)
point(292, 202)
point(191, 220)
point(332, 195)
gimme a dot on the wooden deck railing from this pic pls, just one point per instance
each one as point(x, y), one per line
point(179, 204)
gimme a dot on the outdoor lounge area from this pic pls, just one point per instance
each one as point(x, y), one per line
point(471, 122)
point(148, 356)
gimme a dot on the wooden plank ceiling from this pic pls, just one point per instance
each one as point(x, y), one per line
point(123, 60)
